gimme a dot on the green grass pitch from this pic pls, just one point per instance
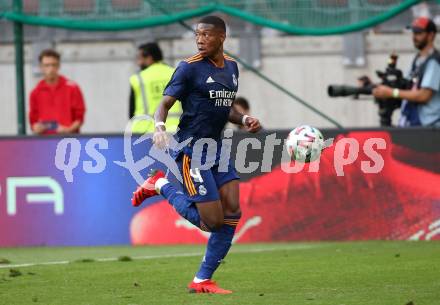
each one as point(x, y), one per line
point(350, 273)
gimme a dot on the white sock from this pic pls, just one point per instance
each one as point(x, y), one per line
point(160, 183)
point(197, 280)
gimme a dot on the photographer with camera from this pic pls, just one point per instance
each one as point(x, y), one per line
point(421, 103)
point(391, 77)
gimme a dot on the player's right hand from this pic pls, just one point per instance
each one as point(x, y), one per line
point(161, 139)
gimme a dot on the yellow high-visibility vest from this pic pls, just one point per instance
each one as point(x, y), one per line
point(148, 86)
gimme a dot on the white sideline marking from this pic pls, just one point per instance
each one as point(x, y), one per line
point(146, 257)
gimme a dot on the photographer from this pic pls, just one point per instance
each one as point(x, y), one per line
point(421, 104)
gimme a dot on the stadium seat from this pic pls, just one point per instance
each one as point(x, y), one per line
point(31, 6)
point(383, 2)
point(79, 7)
point(126, 5)
point(333, 3)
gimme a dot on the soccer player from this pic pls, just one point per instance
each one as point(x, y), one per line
point(206, 85)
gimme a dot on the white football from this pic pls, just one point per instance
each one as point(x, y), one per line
point(305, 143)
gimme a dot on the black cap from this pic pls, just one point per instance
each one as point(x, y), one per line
point(423, 24)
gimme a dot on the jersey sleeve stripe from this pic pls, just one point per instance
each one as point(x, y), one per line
point(228, 57)
point(194, 60)
point(191, 57)
point(195, 57)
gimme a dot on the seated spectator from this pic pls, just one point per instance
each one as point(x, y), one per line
point(56, 103)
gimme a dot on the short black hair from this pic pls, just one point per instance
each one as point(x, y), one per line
point(151, 49)
point(241, 101)
point(216, 21)
point(49, 53)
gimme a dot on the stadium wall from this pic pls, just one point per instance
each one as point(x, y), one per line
point(76, 191)
point(304, 65)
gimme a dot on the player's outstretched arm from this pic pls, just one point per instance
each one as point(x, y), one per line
point(250, 123)
point(160, 137)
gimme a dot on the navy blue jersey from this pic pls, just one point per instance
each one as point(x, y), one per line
point(206, 93)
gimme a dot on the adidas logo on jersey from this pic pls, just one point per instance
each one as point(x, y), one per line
point(210, 80)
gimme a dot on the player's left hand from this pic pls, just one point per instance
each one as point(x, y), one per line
point(252, 124)
point(382, 91)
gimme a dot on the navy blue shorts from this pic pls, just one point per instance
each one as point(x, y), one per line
point(203, 185)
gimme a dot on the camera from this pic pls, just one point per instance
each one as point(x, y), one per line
point(391, 77)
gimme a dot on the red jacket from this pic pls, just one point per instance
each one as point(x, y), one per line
point(62, 103)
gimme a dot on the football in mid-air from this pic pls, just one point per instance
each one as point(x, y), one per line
point(305, 143)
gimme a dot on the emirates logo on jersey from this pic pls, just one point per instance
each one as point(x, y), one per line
point(222, 97)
